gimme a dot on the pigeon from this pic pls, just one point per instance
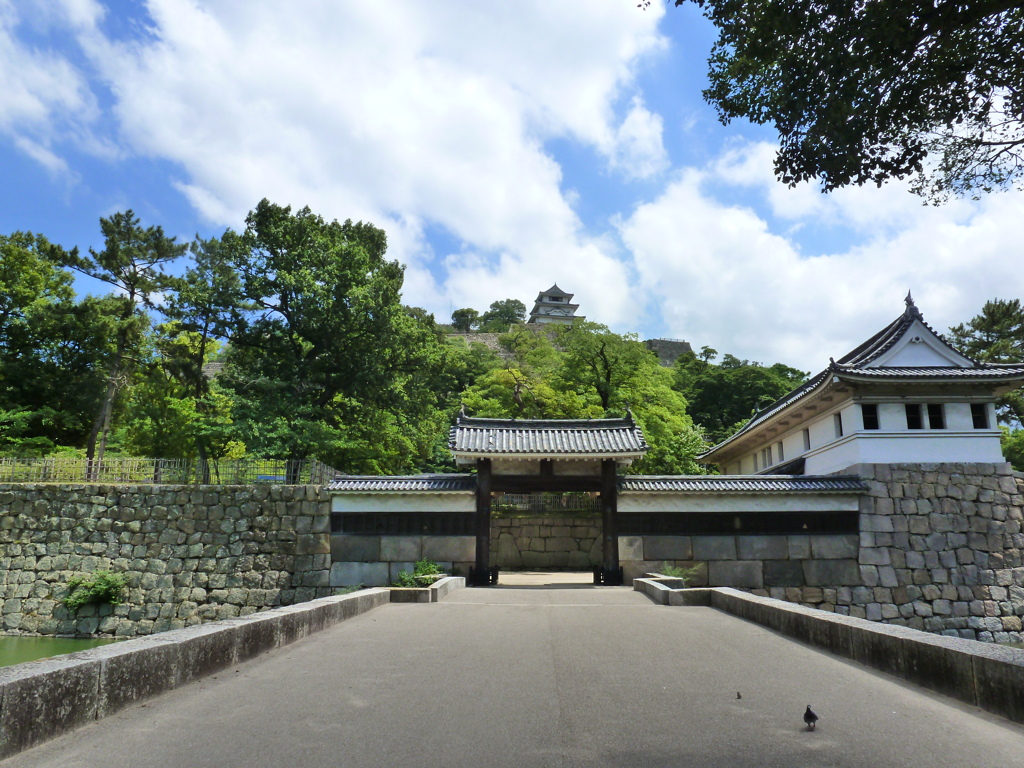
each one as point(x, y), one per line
point(810, 718)
point(739, 695)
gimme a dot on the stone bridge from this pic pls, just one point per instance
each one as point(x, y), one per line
point(540, 672)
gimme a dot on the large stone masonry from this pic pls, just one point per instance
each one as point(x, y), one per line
point(941, 549)
point(190, 554)
point(546, 541)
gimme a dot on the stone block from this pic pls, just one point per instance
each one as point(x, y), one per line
point(42, 699)
point(783, 573)
point(835, 547)
point(762, 548)
point(875, 556)
point(136, 670)
point(944, 665)
point(358, 549)
point(395, 568)
point(747, 574)
point(204, 650)
point(700, 597)
point(313, 544)
point(452, 548)
point(999, 681)
point(667, 548)
point(352, 574)
point(631, 547)
point(799, 547)
point(831, 573)
point(541, 559)
point(399, 549)
point(714, 548)
point(507, 552)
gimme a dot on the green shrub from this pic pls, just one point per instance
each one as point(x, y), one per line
point(405, 579)
point(684, 574)
point(100, 587)
point(426, 567)
point(423, 567)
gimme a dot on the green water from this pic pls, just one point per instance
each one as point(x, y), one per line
point(15, 650)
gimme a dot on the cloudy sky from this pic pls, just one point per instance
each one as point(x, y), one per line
point(502, 146)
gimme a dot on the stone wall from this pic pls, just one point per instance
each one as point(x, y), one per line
point(554, 541)
point(191, 554)
point(377, 560)
point(941, 549)
point(758, 563)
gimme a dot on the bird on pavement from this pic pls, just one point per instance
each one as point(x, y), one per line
point(810, 718)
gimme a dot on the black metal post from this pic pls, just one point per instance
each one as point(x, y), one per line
point(480, 575)
point(611, 573)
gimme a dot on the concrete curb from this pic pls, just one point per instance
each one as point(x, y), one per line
point(983, 674)
point(441, 588)
point(42, 699)
point(437, 591)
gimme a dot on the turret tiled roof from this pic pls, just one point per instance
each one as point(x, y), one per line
point(860, 364)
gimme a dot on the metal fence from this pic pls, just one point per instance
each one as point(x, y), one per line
point(168, 471)
point(571, 503)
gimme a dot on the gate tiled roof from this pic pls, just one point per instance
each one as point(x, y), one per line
point(579, 438)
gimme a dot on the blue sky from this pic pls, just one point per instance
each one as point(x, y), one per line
point(502, 146)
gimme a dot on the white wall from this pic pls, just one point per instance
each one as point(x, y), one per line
point(425, 501)
point(915, 446)
point(666, 501)
point(891, 443)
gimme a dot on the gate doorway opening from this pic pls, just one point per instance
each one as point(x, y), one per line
point(537, 462)
point(546, 531)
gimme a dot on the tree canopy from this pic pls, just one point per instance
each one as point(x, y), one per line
point(502, 315)
point(722, 397)
point(869, 90)
point(289, 339)
point(996, 335)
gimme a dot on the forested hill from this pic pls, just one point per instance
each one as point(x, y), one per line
point(289, 340)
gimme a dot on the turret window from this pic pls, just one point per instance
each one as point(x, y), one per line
point(936, 416)
point(914, 416)
point(979, 413)
point(869, 412)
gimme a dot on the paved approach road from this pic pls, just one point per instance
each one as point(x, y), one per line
point(528, 676)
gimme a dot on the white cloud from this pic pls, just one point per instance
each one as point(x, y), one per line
point(637, 149)
point(723, 278)
point(43, 99)
point(404, 114)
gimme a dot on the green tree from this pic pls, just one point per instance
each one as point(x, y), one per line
point(996, 336)
point(602, 362)
point(586, 372)
point(205, 303)
point(724, 396)
point(870, 90)
point(502, 315)
point(327, 363)
point(527, 383)
point(464, 319)
point(168, 416)
point(52, 350)
point(1013, 447)
point(132, 262)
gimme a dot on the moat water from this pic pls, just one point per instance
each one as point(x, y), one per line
point(15, 650)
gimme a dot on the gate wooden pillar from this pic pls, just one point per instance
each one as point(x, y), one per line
point(610, 524)
point(481, 574)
